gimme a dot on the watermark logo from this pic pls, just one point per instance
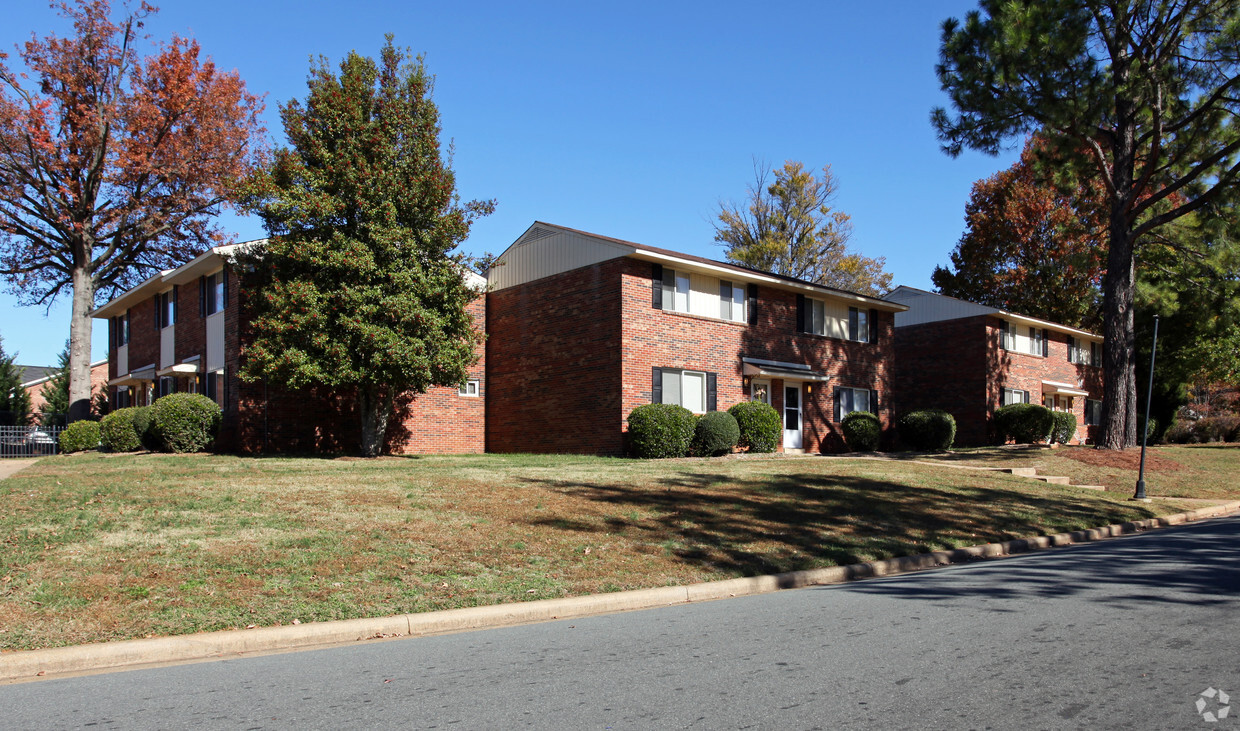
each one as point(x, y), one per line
point(1213, 705)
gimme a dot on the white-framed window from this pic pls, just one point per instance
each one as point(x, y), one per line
point(731, 301)
point(1093, 412)
point(816, 314)
point(849, 400)
point(166, 308)
point(470, 389)
point(1036, 343)
point(858, 325)
point(1014, 396)
point(685, 388)
point(214, 293)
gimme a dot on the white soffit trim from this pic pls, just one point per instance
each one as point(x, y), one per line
point(1066, 389)
point(180, 369)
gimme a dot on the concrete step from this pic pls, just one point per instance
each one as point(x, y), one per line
point(1091, 487)
point(1052, 480)
point(1022, 471)
point(790, 450)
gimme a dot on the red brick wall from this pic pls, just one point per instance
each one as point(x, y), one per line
point(944, 365)
point(959, 366)
point(553, 356)
point(98, 382)
point(660, 338)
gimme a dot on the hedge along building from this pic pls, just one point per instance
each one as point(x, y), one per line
point(583, 328)
point(970, 359)
point(185, 330)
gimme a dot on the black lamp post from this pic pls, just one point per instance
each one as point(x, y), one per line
point(1145, 428)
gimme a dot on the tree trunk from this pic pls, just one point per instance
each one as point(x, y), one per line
point(80, 325)
point(374, 405)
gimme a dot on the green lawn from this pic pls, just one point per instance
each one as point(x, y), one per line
point(102, 547)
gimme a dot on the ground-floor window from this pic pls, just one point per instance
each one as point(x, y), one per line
point(760, 391)
point(1093, 412)
point(694, 390)
point(1014, 396)
point(848, 400)
point(469, 389)
point(121, 398)
point(167, 385)
point(213, 387)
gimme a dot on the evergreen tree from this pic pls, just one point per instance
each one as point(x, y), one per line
point(357, 289)
point(55, 391)
point(14, 401)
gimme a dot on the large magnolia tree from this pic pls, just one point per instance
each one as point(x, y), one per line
point(1140, 94)
point(113, 165)
point(357, 290)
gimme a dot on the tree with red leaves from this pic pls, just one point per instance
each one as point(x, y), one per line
point(113, 166)
point(1031, 246)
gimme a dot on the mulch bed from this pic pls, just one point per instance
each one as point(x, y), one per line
point(1128, 459)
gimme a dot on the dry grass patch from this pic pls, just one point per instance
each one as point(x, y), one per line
point(99, 548)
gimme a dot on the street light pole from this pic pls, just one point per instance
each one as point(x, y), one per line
point(1145, 427)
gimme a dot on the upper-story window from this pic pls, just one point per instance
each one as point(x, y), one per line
point(121, 323)
point(1032, 341)
point(700, 294)
point(1079, 354)
point(836, 320)
point(166, 308)
point(214, 293)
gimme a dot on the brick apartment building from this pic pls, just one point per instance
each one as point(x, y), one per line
point(36, 378)
point(184, 329)
point(970, 359)
point(584, 328)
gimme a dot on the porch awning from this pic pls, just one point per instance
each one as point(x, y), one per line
point(777, 369)
point(180, 369)
point(1063, 389)
point(134, 378)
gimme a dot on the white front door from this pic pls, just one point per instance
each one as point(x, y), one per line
point(792, 417)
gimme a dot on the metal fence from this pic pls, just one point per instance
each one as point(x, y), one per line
point(29, 441)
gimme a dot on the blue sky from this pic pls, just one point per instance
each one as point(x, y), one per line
point(629, 120)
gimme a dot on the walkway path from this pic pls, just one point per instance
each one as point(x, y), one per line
point(12, 466)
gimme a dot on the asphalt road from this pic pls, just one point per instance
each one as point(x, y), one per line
point(1125, 633)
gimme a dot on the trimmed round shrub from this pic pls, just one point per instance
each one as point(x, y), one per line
point(1064, 427)
point(79, 437)
point(145, 426)
point(1024, 423)
point(928, 430)
point(861, 431)
point(715, 434)
point(660, 430)
point(117, 432)
point(759, 426)
point(185, 422)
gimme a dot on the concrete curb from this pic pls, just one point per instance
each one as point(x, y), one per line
point(30, 664)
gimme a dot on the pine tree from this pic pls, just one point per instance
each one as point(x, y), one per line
point(14, 401)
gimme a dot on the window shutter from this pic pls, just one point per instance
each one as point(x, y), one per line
point(874, 401)
point(1071, 349)
point(176, 302)
point(801, 313)
point(202, 296)
point(1003, 335)
point(224, 274)
point(712, 393)
point(656, 385)
point(852, 324)
point(656, 286)
point(835, 396)
point(725, 299)
point(1046, 343)
point(873, 326)
point(157, 298)
point(752, 305)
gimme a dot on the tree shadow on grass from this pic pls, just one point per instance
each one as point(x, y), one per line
point(1193, 564)
point(796, 521)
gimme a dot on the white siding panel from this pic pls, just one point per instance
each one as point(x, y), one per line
point(215, 342)
point(837, 319)
point(167, 346)
point(541, 254)
point(704, 299)
point(122, 359)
